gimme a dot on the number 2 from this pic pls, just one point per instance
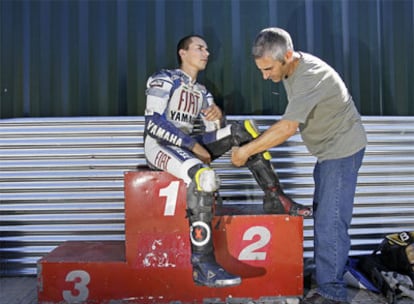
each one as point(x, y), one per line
point(250, 253)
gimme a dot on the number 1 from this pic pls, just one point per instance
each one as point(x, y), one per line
point(171, 193)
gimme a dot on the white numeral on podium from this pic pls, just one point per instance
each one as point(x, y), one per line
point(171, 193)
point(81, 279)
point(250, 253)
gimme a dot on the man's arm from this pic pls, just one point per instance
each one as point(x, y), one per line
point(275, 135)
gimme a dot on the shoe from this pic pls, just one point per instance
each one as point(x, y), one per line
point(278, 203)
point(318, 299)
point(213, 275)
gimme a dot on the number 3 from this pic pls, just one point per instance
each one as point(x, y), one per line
point(81, 279)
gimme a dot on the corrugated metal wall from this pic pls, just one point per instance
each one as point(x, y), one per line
point(62, 179)
point(92, 57)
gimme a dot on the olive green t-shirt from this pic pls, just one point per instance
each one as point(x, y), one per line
point(318, 99)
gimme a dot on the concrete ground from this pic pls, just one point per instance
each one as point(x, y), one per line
point(23, 290)
point(18, 290)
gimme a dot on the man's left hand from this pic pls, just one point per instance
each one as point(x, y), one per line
point(213, 113)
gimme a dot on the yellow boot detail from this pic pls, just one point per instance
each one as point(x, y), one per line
point(254, 132)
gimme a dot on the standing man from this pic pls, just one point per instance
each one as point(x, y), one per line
point(175, 101)
point(320, 105)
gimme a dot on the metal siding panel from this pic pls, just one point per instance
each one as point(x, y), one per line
point(62, 179)
point(78, 58)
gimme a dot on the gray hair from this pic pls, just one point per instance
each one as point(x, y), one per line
point(272, 41)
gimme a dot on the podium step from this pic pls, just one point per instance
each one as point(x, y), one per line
point(79, 272)
point(153, 264)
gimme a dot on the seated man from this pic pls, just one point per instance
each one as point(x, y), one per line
point(174, 102)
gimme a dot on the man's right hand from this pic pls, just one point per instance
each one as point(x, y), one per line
point(202, 153)
point(237, 158)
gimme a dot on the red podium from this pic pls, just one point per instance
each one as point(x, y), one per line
point(153, 264)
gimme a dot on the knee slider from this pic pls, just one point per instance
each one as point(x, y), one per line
point(206, 180)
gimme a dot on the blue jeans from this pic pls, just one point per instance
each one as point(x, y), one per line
point(335, 183)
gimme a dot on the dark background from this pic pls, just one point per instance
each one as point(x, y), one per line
point(92, 58)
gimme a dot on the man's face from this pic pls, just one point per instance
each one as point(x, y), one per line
point(271, 69)
point(196, 55)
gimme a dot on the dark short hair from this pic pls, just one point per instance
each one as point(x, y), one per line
point(183, 44)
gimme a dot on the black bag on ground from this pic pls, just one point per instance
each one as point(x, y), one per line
point(396, 253)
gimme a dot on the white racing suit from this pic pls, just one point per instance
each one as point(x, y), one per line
point(174, 104)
